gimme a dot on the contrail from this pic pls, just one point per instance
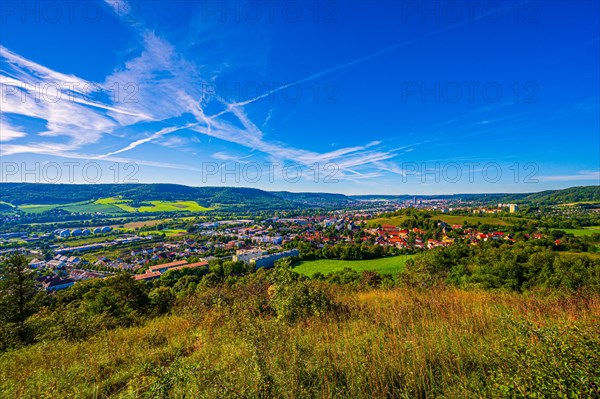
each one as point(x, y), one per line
point(312, 77)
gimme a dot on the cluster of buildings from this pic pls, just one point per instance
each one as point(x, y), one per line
point(156, 271)
point(65, 272)
point(261, 258)
point(54, 283)
point(268, 260)
point(512, 208)
point(91, 247)
point(390, 235)
point(255, 242)
point(56, 263)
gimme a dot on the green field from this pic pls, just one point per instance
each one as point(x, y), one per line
point(167, 232)
point(37, 208)
point(79, 207)
point(450, 219)
point(388, 265)
point(116, 206)
point(156, 206)
point(586, 231)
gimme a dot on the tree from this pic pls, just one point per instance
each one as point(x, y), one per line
point(161, 299)
point(17, 293)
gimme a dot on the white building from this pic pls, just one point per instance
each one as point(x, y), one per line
point(247, 255)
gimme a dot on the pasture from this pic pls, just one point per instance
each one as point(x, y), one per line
point(388, 265)
point(76, 207)
point(166, 232)
point(116, 206)
point(154, 206)
point(586, 231)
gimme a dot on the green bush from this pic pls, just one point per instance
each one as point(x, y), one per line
point(298, 300)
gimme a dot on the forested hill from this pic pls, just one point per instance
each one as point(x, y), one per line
point(36, 193)
point(548, 197)
point(568, 195)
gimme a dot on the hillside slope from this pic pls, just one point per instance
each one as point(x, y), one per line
point(230, 197)
point(548, 197)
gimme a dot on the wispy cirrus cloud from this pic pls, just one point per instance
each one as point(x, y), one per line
point(156, 86)
point(9, 132)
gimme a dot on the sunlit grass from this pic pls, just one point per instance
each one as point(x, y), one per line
point(156, 206)
point(388, 265)
point(380, 343)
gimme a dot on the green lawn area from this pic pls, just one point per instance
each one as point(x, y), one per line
point(167, 232)
point(173, 206)
point(81, 207)
point(450, 219)
point(37, 208)
point(156, 206)
point(117, 205)
point(388, 265)
point(586, 231)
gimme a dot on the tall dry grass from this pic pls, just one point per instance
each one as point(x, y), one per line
point(399, 343)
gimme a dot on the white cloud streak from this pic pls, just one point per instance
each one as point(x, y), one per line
point(155, 86)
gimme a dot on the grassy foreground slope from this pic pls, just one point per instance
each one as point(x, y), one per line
point(399, 343)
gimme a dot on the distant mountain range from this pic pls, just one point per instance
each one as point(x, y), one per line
point(250, 198)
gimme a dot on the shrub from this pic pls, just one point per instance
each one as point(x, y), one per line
point(298, 300)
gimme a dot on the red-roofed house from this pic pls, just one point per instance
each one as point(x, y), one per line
point(146, 276)
point(166, 266)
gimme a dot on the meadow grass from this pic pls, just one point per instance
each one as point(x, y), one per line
point(80, 207)
point(166, 232)
point(388, 265)
point(399, 343)
point(156, 206)
point(117, 205)
point(30, 208)
point(586, 231)
point(173, 206)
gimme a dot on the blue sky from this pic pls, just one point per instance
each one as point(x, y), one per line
point(378, 97)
